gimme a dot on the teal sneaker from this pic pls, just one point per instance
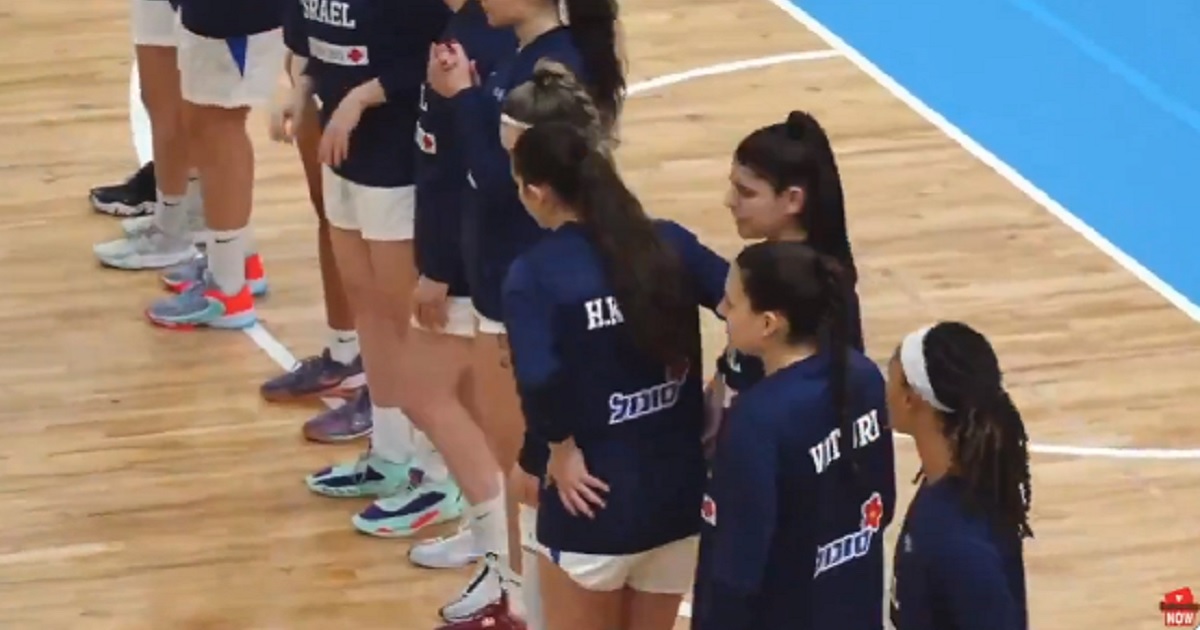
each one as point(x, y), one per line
point(368, 476)
point(204, 305)
point(423, 504)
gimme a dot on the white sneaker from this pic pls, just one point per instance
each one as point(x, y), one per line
point(150, 249)
point(451, 552)
point(483, 589)
point(134, 226)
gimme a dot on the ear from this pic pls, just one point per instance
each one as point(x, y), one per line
point(794, 196)
point(773, 323)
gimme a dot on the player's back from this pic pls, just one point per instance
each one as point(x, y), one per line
point(637, 421)
point(819, 564)
point(952, 565)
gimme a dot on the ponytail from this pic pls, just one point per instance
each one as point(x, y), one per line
point(594, 28)
point(837, 344)
point(798, 153)
point(646, 275)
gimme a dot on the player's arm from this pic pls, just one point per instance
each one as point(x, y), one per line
point(706, 269)
point(402, 73)
point(744, 487)
point(970, 581)
point(529, 322)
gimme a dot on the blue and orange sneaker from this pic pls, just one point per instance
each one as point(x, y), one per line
point(318, 376)
point(423, 503)
point(204, 305)
point(177, 279)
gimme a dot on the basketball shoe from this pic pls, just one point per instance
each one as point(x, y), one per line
point(149, 249)
point(203, 304)
point(317, 376)
point(450, 552)
point(134, 197)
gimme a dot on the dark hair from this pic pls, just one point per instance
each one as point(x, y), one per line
point(647, 276)
point(987, 436)
point(798, 153)
point(554, 94)
point(809, 289)
point(593, 25)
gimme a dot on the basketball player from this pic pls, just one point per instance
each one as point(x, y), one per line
point(784, 186)
point(553, 94)
point(366, 63)
point(337, 371)
point(166, 240)
point(602, 317)
point(582, 35)
point(230, 53)
point(959, 559)
point(436, 359)
point(802, 484)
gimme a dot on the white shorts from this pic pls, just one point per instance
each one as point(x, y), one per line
point(666, 570)
point(460, 318)
point(230, 73)
point(154, 23)
point(489, 326)
point(380, 214)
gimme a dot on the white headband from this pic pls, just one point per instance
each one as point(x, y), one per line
point(505, 119)
point(912, 359)
point(564, 15)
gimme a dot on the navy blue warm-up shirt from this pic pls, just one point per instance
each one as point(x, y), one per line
point(953, 571)
point(497, 227)
point(441, 167)
point(226, 19)
point(351, 42)
point(790, 541)
point(580, 375)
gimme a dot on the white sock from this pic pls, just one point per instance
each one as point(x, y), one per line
point(428, 459)
point(489, 526)
point(227, 260)
point(531, 595)
point(392, 436)
point(170, 216)
point(343, 346)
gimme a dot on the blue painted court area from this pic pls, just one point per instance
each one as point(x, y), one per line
point(1097, 102)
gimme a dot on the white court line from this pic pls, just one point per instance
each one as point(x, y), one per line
point(991, 161)
point(286, 360)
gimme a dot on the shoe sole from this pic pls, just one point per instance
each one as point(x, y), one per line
point(337, 391)
point(115, 209)
point(325, 438)
point(470, 560)
point(429, 519)
point(236, 322)
point(146, 263)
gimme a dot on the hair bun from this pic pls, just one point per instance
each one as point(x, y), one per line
point(798, 123)
point(550, 73)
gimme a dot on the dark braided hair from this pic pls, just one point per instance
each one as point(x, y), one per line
point(810, 290)
point(989, 445)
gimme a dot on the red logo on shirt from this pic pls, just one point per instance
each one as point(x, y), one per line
point(1179, 608)
point(872, 512)
point(355, 55)
point(708, 510)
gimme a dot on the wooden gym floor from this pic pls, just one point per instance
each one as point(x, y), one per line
point(143, 485)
